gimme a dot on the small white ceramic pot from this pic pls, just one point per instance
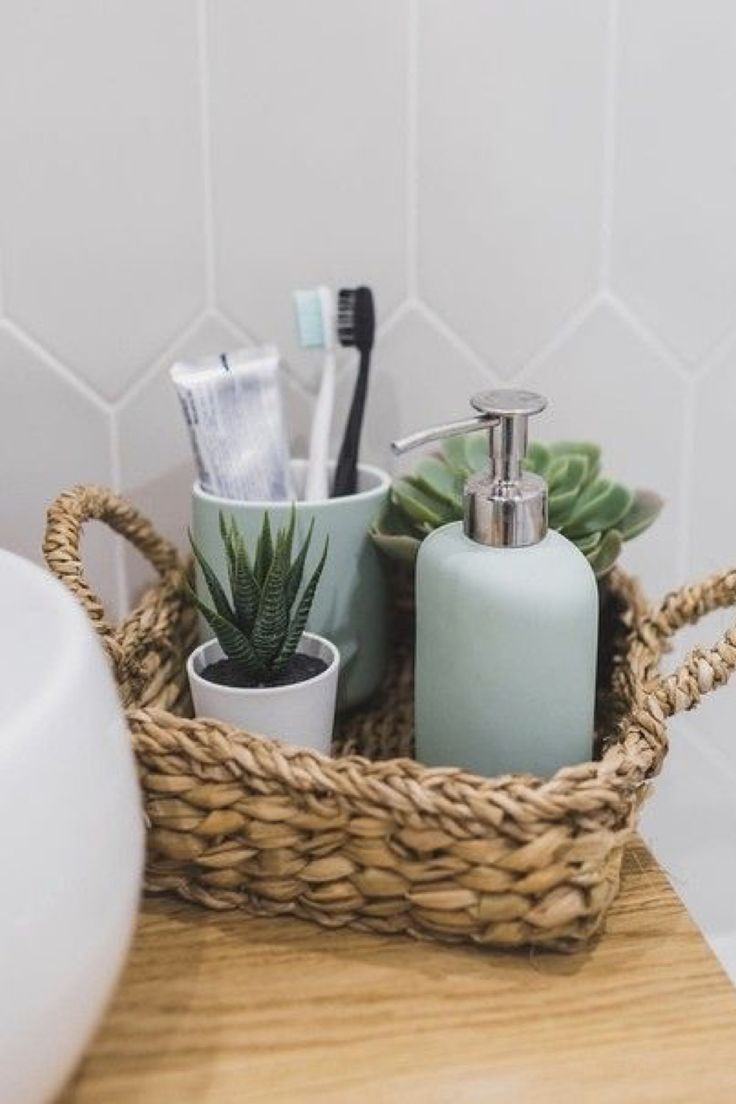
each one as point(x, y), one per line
point(302, 713)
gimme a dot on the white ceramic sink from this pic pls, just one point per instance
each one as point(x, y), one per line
point(71, 833)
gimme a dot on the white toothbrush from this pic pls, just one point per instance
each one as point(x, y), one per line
point(315, 313)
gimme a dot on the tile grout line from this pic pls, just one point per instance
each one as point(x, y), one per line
point(687, 485)
point(392, 320)
point(610, 94)
point(438, 324)
point(572, 323)
point(649, 337)
point(723, 346)
point(412, 134)
point(235, 328)
point(157, 364)
point(57, 366)
point(206, 140)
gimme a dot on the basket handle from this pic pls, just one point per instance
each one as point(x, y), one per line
point(704, 669)
point(66, 519)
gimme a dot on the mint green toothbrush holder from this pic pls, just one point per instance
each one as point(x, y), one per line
point(351, 605)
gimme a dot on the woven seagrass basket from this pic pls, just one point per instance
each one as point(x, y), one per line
point(371, 838)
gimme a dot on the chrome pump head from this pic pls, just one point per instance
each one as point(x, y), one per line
point(504, 506)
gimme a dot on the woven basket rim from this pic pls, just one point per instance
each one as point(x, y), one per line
point(447, 790)
point(625, 765)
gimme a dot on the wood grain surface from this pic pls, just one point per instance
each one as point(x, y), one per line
point(223, 1008)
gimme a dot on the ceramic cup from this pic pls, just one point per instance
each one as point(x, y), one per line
point(302, 713)
point(350, 607)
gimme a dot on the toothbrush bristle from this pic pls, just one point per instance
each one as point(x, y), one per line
point(346, 316)
point(356, 317)
point(310, 319)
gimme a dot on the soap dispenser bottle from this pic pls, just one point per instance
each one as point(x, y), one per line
point(507, 616)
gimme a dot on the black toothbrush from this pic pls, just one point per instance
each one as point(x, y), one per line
point(356, 326)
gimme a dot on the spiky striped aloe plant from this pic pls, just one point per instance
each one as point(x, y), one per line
point(260, 624)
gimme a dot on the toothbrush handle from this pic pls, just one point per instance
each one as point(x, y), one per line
point(346, 473)
point(317, 482)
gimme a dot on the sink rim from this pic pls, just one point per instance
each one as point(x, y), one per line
point(22, 715)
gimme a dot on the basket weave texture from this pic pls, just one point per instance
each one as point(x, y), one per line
point(370, 837)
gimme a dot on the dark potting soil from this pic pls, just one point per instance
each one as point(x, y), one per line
point(228, 672)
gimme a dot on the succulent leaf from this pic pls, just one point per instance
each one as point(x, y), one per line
point(576, 448)
point(419, 505)
point(435, 478)
point(558, 472)
point(289, 536)
point(394, 520)
point(299, 619)
point(397, 546)
point(396, 534)
point(593, 490)
point(244, 589)
point(574, 476)
point(607, 552)
point(646, 508)
point(599, 511)
point(225, 532)
point(296, 571)
point(264, 551)
point(217, 593)
point(455, 454)
point(590, 543)
point(243, 585)
point(537, 458)
point(589, 452)
point(272, 618)
point(476, 451)
point(560, 504)
point(234, 643)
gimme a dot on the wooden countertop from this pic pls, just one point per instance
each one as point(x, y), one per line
point(217, 1007)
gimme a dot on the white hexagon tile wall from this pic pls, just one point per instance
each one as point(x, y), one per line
point(536, 192)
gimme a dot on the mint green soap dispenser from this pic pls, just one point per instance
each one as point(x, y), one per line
point(507, 616)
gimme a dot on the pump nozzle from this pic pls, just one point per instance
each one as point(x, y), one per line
point(439, 432)
point(504, 506)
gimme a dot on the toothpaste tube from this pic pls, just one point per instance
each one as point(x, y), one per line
point(233, 410)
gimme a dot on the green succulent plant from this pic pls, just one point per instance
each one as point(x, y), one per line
point(597, 514)
point(260, 624)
